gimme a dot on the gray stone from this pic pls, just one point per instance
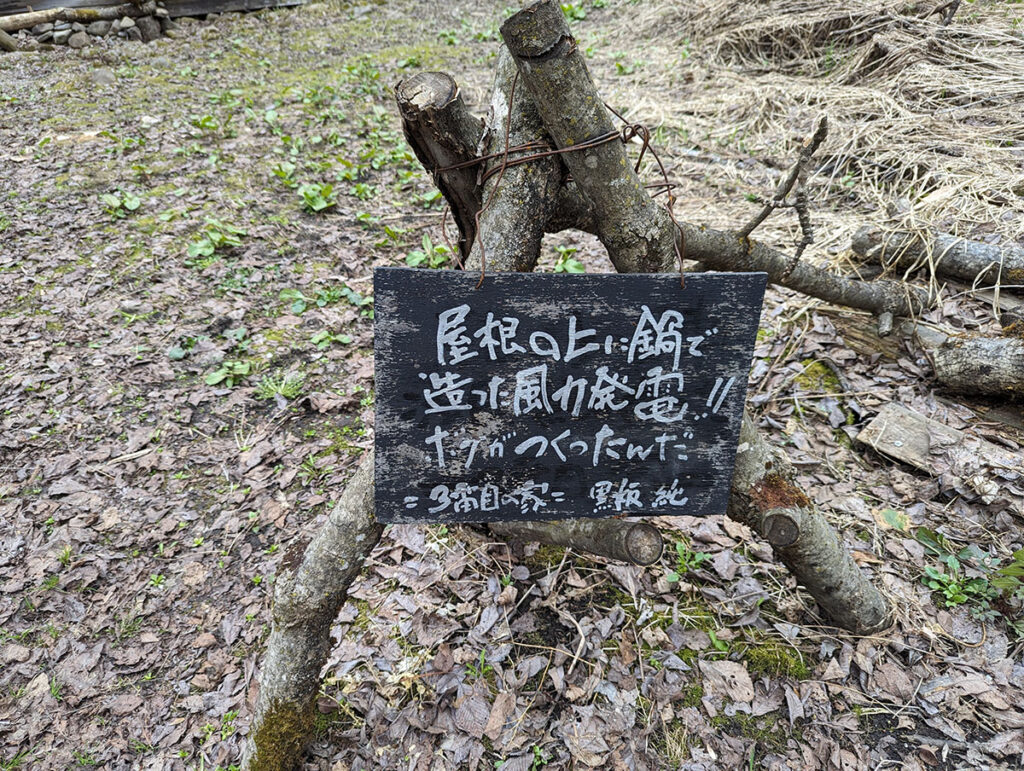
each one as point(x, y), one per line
point(149, 27)
point(132, 33)
point(77, 26)
point(103, 76)
point(169, 25)
point(45, 37)
point(115, 27)
point(98, 28)
point(39, 29)
point(61, 36)
point(127, 22)
point(161, 13)
point(79, 40)
point(62, 25)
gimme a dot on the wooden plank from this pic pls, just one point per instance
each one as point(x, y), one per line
point(556, 396)
point(992, 473)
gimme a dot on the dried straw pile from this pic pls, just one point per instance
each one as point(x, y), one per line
point(926, 119)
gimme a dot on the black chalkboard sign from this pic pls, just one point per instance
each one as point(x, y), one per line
point(541, 396)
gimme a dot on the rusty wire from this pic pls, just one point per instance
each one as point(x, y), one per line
point(538, 149)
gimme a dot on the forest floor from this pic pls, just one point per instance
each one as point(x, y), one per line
point(186, 381)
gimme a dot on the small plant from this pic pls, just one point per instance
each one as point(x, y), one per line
point(686, 561)
point(324, 339)
point(316, 197)
point(574, 11)
point(121, 204)
point(288, 386)
point(205, 123)
point(363, 302)
point(285, 171)
point(230, 373)
point(431, 256)
point(988, 582)
point(300, 303)
point(429, 199)
point(363, 191)
point(479, 668)
point(56, 686)
point(566, 263)
point(84, 759)
point(157, 580)
point(955, 587)
point(65, 556)
point(215, 236)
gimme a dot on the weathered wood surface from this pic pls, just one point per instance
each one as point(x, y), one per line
point(519, 200)
point(311, 586)
point(764, 497)
point(576, 395)
point(973, 465)
point(7, 43)
point(636, 230)
point(762, 489)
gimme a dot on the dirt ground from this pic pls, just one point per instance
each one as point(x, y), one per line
point(186, 382)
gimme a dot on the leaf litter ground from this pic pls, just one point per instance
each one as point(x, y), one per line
point(187, 380)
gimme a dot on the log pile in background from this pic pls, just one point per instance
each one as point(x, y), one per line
point(82, 27)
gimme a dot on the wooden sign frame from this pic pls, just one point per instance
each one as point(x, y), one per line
point(553, 396)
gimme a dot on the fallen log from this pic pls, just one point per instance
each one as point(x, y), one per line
point(763, 494)
point(981, 365)
point(18, 21)
point(948, 256)
point(7, 43)
point(615, 539)
point(765, 498)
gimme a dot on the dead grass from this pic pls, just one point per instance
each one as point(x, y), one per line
point(926, 125)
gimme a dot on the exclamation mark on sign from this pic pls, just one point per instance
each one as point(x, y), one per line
point(721, 396)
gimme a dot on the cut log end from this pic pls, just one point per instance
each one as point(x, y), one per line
point(427, 90)
point(782, 527)
point(644, 544)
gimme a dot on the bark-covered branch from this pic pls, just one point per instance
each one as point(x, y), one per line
point(718, 250)
point(7, 43)
point(636, 230)
point(442, 132)
point(764, 497)
point(950, 256)
point(310, 588)
point(17, 21)
point(763, 494)
point(635, 542)
point(519, 199)
point(981, 365)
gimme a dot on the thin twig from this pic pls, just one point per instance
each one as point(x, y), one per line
point(786, 185)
